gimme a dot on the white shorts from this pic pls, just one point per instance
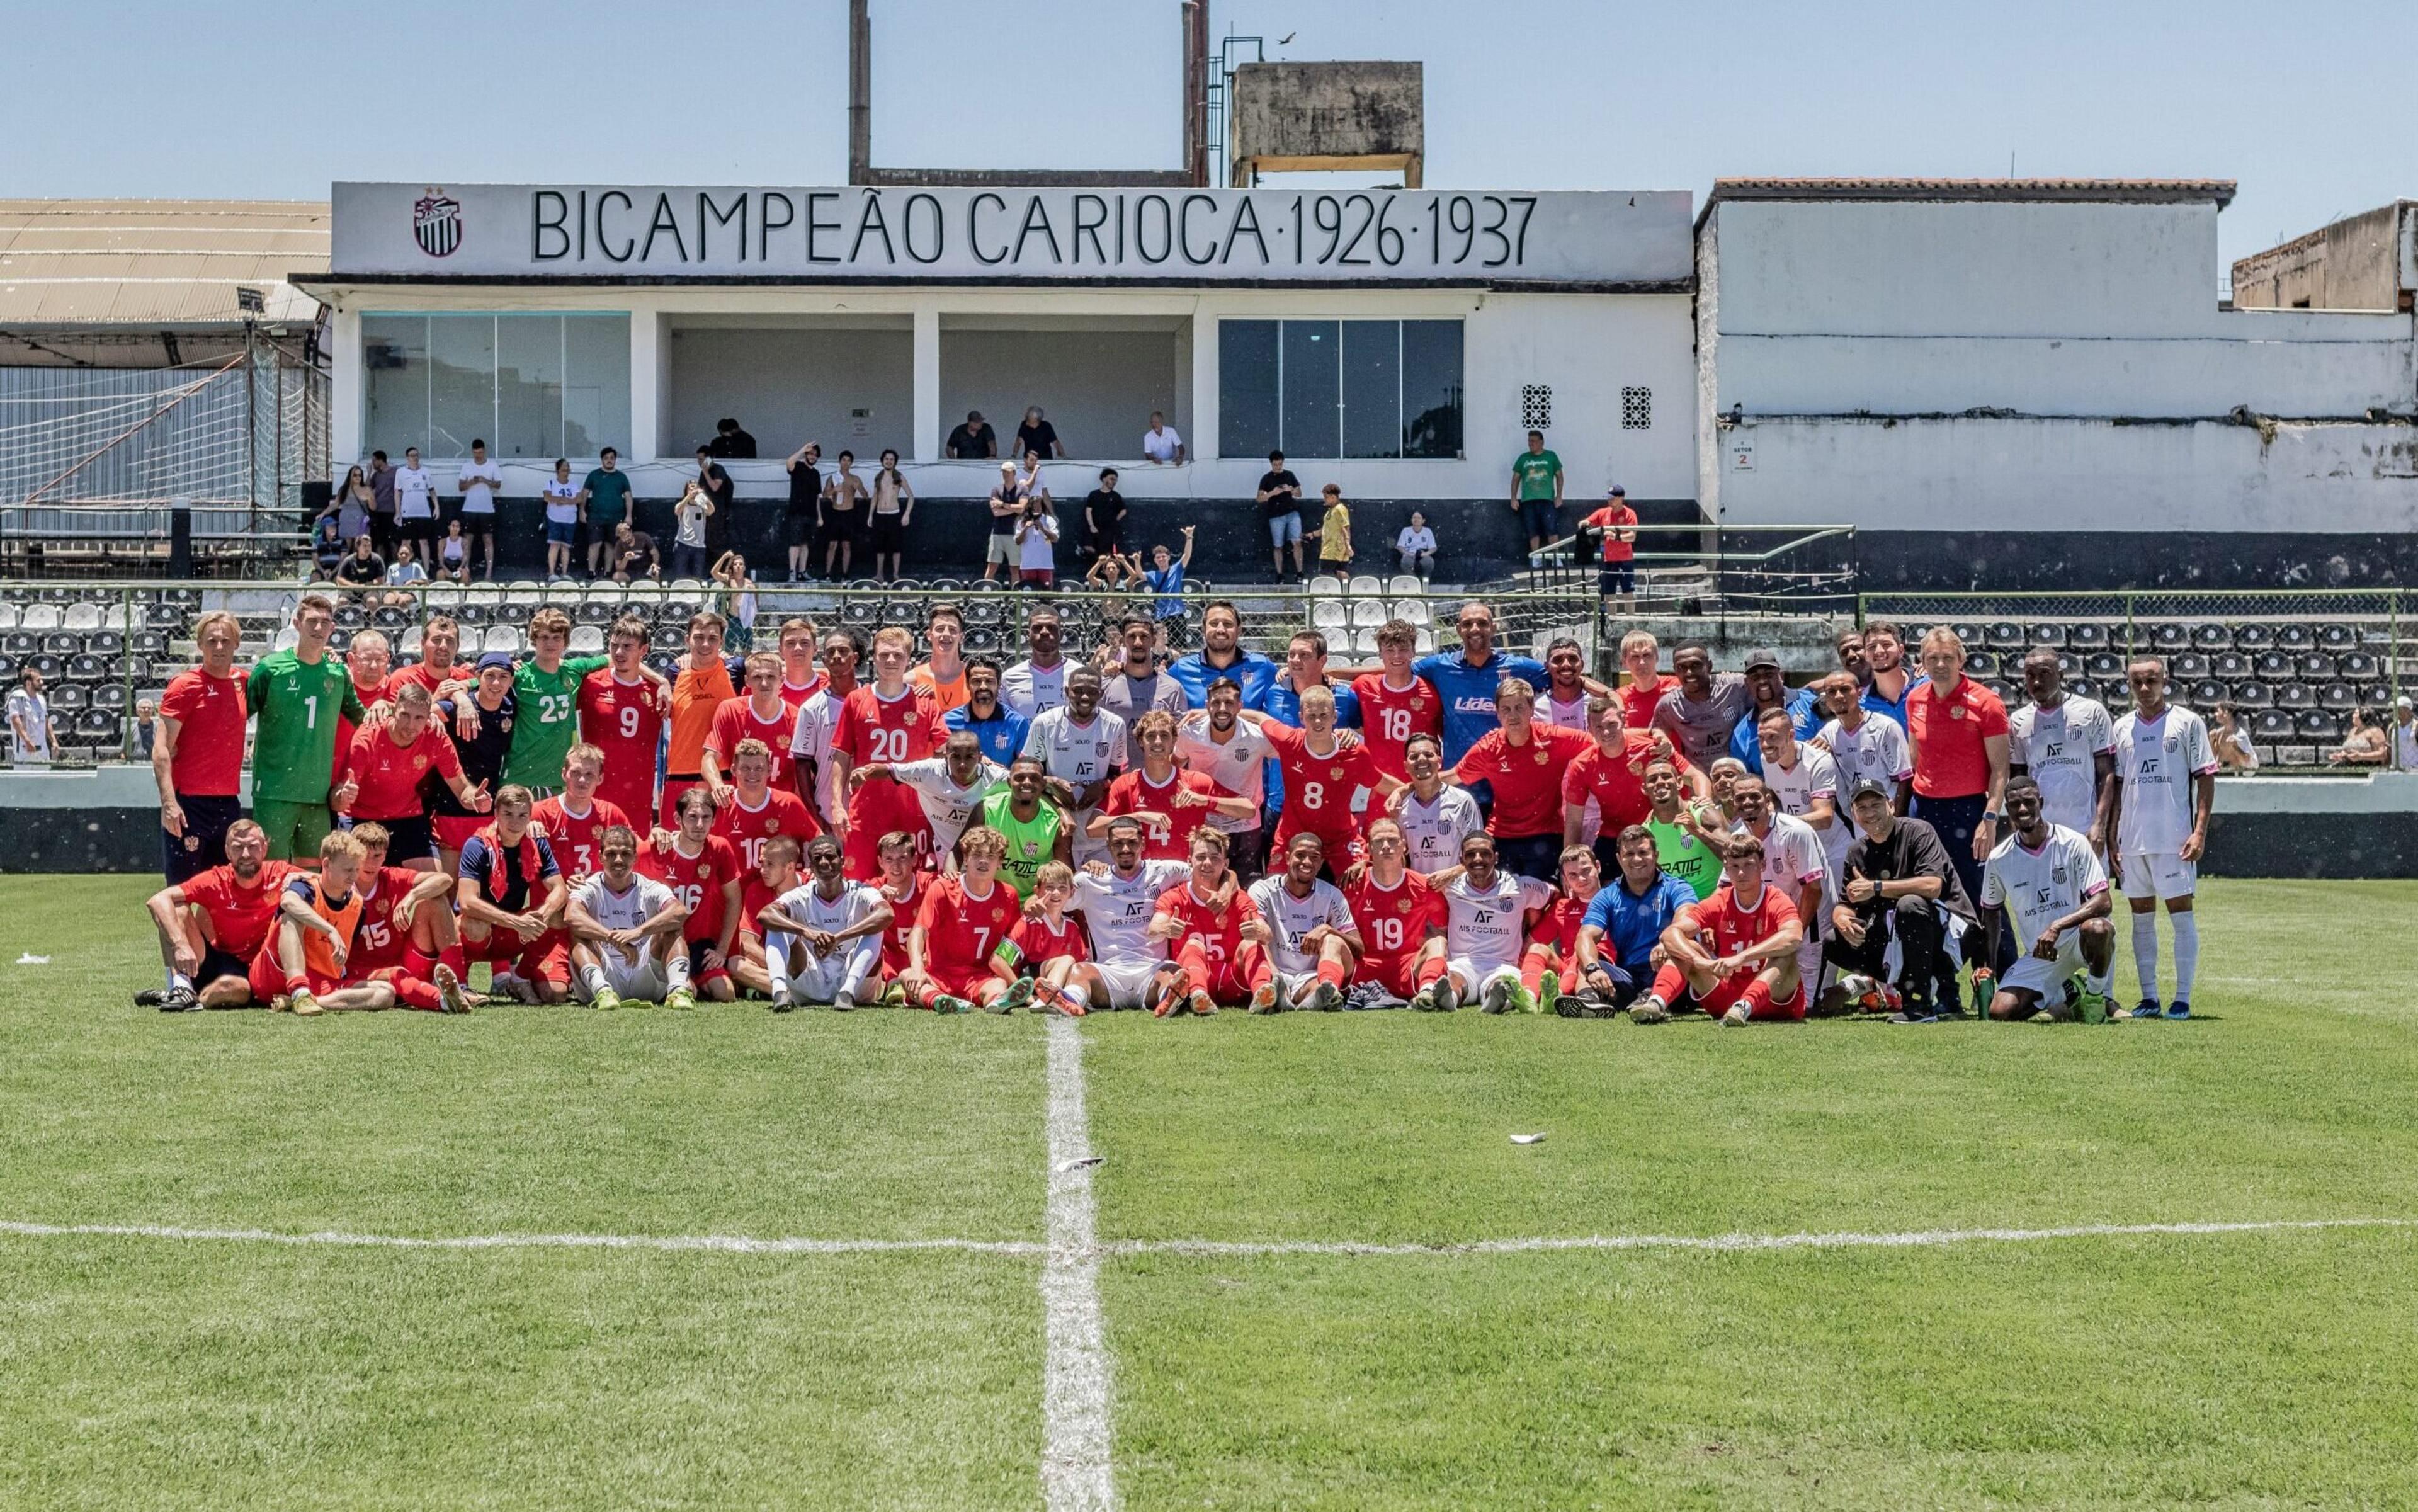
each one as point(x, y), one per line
point(1477, 974)
point(1001, 552)
point(820, 979)
point(1291, 986)
point(642, 979)
point(2170, 876)
point(1127, 983)
point(2047, 978)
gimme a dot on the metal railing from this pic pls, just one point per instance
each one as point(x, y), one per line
point(1704, 568)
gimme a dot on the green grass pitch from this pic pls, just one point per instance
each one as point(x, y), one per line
point(2250, 1369)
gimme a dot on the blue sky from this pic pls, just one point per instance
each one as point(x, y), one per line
point(2306, 106)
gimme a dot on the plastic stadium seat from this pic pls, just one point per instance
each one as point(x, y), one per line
point(7, 668)
point(1328, 613)
point(1367, 614)
point(1403, 583)
point(60, 642)
point(983, 640)
point(2319, 725)
point(1364, 642)
point(339, 641)
point(2293, 637)
point(2340, 697)
point(2229, 664)
point(1982, 664)
point(2207, 694)
point(9, 616)
point(2253, 637)
point(2315, 665)
point(586, 640)
point(1410, 611)
point(165, 617)
point(2105, 664)
point(2272, 664)
point(2212, 637)
point(502, 638)
point(670, 640)
point(2296, 696)
point(2377, 696)
point(2048, 633)
point(2085, 637)
point(2355, 664)
point(2082, 687)
point(475, 616)
point(391, 617)
point(68, 699)
point(85, 667)
point(20, 642)
point(667, 663)
point(286, 640)
point(691, 587)
point(2253, 696)
point(525, 593)
point(2187, 664)
point(103, 726)
point(594, 612)
point(2170, 637)
point(41, 616)
point(81, 616)
point(2270, 724)
point(2336, 637)
point(2004, 637)
point(110, 696)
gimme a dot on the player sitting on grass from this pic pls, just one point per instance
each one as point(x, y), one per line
point(405, 936)
point(702, 869)
point(1620, 944)
point(1549, 968)
point(1312, 937)
point(1899, 884)
point(1400, 917)
point(1734, 954)
point(1048, 943)
point(1221, 959)
point(625, 933)
point(1129, 967)
point(211, 926)
point(822, 942)
point(512, 897)
point(2049, 878)
point(956, 959)
point(779, 867)
point(301, 967)
point(1486, 917)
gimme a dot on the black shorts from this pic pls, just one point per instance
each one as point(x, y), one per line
point(798, 526)
point(1616, 577)
point(409, 838)
point(203, 845)
point(480, 524)
point(889, 533)
point(845, 524)
point(217, 963)
point(1109, 538)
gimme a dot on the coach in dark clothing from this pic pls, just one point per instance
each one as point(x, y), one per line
point(973, 440)
point(1898, 881)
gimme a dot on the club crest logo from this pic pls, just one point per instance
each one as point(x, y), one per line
point(437, 223)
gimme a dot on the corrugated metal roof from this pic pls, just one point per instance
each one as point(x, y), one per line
point(2029, 191)
point(156, 263)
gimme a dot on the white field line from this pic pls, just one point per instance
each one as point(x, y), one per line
point(1075, 1470)
point(1085, 1252)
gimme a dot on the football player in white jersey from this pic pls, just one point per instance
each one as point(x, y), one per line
point(1805, 782)
point(1128, 969)
point(2068, 745)
point(1436, 816)
point(1083, 745)
point(1793, 860)
point(822, 942)
point(2048, 879)
point(1486, 928)
point(2166, 785)
point(1867, 746)
point(810, 745)
point(1218, 743)
point(625, 932)
point(950, 786)
point(1313, 939)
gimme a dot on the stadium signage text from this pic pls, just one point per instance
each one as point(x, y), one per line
point(607, 232)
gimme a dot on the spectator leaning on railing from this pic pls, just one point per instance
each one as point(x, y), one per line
point(1160, 443)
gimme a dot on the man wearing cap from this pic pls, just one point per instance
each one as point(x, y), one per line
point(1898, 883)
point(1767, 686)
point(1616, 524)
point(1006, 511)
point(2403, 732)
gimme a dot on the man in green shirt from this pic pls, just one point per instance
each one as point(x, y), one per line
point(1679, 844)
point(546, 689)
point(608, 505)
point(299, 696)
point(1537, 490)
point(1035, 828)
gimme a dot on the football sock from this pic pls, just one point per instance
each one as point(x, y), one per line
point(1757, 998)
point(1331, 972)
point(2144, 953)
point(1428, 973)
point(1670, 985)
point(2100, 981)
point(592, 978)
point(453, 960)
point(776, 963)
point(676, 969)
point(2186, 927)
point(179, 979)
point(1532, 973)
point(416, 992)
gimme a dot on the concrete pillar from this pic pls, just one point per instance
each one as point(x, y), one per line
point(649, 372)
point(346, 393)
point(1203, 435)
point(927, 383)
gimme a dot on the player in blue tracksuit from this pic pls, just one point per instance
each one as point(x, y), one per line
point(1221, 656)
point(1465, 679)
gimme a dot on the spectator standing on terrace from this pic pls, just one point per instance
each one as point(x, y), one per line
point(1160, 443)
point(1103, 517)
point(1036, 545)
point(415, 502)
point(31, 738)
point(1537, 490)
point(1334, 534)
point(689, 515)
point(1414, 549)
point(737, 595)
point(354, 500)
point(565, 505)
point(730, 441)
point(1006, 511)
point(381, 520)
point(845, 502)
point(479, 481)
point(973, 441)
point(607, 505)
point(802, 517)
point(634, 554)
point(1279, 497)
point(1037, 438)
point(894, 504)
point(717, 484)
point(1617, 523)
point(1164, 577)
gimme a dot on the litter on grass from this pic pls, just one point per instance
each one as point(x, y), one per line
point(1527, 1139)
point(29, 959)
point(1078, 1161)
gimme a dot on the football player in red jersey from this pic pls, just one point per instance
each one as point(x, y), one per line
point(1323, 771)
point(1401, 919)
point(621, 715)
point(300, 967)
point(703, 868)
point(801, 679)
point(386, 765)
point(886, 722)
point(903, 881)
point(511, 896)
point(1223, 956)
point(1736, 951)
point(1550, 967)
point(1604, 790)
point(958, 957)
point(1522, 760)
point(758, 713)
point(1050, 944)
point(757, 809)
point(1396, 704)
point(405, 936)
point(777, 869)
point(211, 926)
point(573, 821)
point(1170, 802)
point(440, 639)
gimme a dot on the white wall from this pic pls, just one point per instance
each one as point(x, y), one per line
point(789, 386)
point(1098, 387)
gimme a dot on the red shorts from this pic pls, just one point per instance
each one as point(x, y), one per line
point(1730, 989)
point(268, 978)
point(700, 974)
point(1399, 976)
point(453, 830)
point(1229, 981)
point(546, 958)
point(957, 984)
point(1037, 576)
point(1343, 848)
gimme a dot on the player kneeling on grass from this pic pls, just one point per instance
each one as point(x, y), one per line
point(1734, 953)
point(1620, 943)
point(1050, 944)
point(822, 942)
point(301, 967)
point(1221, 959)
point(1312, 937)
point(1486, 917)
point(211, 926)
point(511, 899)
point(405, 936)
point(625, 932)
point(957, 954)
point(2049, 878)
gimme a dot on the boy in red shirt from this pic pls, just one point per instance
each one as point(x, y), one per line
point(1395, 703)
point(757, 810)
point(902, 887)
point(1550, 967)
point(1171, 803)
point(890, 722)
point(575, 819)
point(1051, 945)
point(777, 871)
point(703, 870)
point(1223, 956)
point(759, 714)
point(1640, 657)
point(1604, 790)
point(1736, 951)
point(621, 718)
point(212, 924)
point(1402, 916)
point(958, 957)
point(1617, 579)
point(1322, 775)
point(386, 767)
point(405, 936)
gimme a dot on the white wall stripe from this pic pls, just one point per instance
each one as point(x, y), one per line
point(1076, 1475)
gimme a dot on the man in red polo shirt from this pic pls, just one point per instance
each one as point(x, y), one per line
point(197, 752)
point(1640, 657)
point(1524, 761)
point(386, 767)
point(1959, 732)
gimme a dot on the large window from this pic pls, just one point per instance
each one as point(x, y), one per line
point(1338, 387)
point(530, 386)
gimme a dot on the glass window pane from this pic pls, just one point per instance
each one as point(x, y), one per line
point(462, 403)
point(1373, 389)
point(394, 352)
point(1246, 388)
point(528, 386)
point(1431, 389)
point(595, 384)
point(1312, 402)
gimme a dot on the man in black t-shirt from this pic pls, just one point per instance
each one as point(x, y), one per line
point(719, 488)
point(363, 568)
point(973, 440)
point(1897, 881)
point(1104, 516)
point(1279, 497)
point(802, 514)
point(730, 441)
point(1039, 434)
